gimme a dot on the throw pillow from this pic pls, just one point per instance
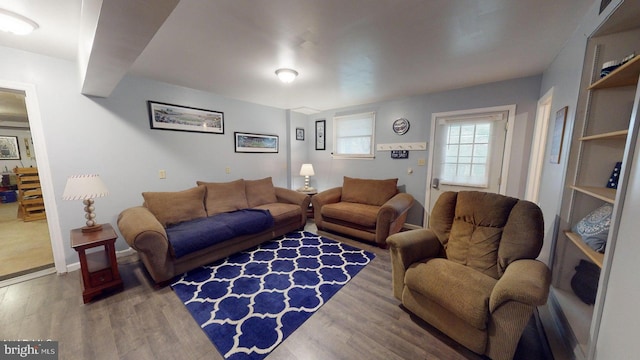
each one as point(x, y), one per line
point(368, 191)
point(594, 228)
point(224, 197)
point(260, 192)
point(176, 207)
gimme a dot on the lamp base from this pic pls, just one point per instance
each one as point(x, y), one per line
point(306, 189)
point(87, 229)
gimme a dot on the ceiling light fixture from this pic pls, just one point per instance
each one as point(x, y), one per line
point(286, 75)
point(16, 23)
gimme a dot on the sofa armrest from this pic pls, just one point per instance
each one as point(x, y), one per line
point(135, 222)
point(144, 233)
point(329, 196)
point(294, 197)
point(406, 248)
point(526, 281)
point(392, 215)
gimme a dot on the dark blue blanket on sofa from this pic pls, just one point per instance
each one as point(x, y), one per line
point(198, 234)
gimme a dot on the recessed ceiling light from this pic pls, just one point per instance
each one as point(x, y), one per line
point(286, 75)
point(16, 23)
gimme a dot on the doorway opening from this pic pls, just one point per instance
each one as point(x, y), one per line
point(538, 147)
point(24, 235)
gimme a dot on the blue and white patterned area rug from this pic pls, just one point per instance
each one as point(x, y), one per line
point(250, 302)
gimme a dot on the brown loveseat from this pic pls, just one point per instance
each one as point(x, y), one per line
point(145, 227)
point(473, 273)
point(366, 209)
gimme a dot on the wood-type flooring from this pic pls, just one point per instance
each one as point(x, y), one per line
point(362, 321)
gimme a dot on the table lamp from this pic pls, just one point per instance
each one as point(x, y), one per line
point(86, 188)
point(306, 170)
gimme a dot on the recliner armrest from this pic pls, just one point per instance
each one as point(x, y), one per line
point(526, 281)
point(406, 248)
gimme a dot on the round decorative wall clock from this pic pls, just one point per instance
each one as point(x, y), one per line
point(401, 126)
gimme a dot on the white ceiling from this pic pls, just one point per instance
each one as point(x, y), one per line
point(347, 52)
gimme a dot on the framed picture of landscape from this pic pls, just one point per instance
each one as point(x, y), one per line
point(164, 116)
point(256, 143)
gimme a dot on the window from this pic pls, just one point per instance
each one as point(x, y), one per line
point(353, 135)
point(466, 160)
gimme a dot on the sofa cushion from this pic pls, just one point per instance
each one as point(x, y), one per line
point(283, 213)
point(368, 191)
point(199, 234)
point(260, 192)
point(477, 228)
point(458, 288)
point(224, 196)
point(178, 206)
point(360, 214)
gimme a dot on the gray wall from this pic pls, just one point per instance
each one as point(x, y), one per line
point(522, 92)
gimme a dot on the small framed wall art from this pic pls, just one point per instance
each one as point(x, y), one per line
point(9, 149)
point(256, 143)
point(558, 135)
point(321, 143)
point(183, 118)
point(299, 134)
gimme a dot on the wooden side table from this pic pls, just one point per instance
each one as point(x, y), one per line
point(310, 208)
point(99, 268)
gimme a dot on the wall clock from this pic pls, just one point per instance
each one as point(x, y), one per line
point(401, 126)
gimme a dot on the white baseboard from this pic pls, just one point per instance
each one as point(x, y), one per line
point(26, 277)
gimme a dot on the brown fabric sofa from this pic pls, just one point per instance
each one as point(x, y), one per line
point(144, 227)
point(366, 209)
point(473, 273)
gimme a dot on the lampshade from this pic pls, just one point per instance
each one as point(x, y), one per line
point(306, 170)
point(86, 188)
point(16, 23)
point(286, 75)
point(82, 187)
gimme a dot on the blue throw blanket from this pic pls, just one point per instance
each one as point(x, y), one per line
point(199, 234)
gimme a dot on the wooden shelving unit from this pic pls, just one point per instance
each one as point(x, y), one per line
point(596, 257)
point(604, 134)
point(31, 203)
point(625, 75)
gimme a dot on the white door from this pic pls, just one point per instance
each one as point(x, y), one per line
point(469, 151)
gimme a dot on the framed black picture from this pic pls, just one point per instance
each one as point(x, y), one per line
point(256, 143)
point(321, 142)
point(9, 149)
point(183, 118)
point(299, 134)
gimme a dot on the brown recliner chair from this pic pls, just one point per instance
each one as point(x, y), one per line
point(473, 273)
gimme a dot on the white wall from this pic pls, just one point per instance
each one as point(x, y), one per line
point(523, 92)
point(112, 137)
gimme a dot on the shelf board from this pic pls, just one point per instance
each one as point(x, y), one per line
point(625, 75)
point(596, 257)
point(602, 193)
point(620, 134)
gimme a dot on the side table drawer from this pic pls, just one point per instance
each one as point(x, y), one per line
point(100, 277)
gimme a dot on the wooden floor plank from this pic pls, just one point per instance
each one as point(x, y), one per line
point(362, 321)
